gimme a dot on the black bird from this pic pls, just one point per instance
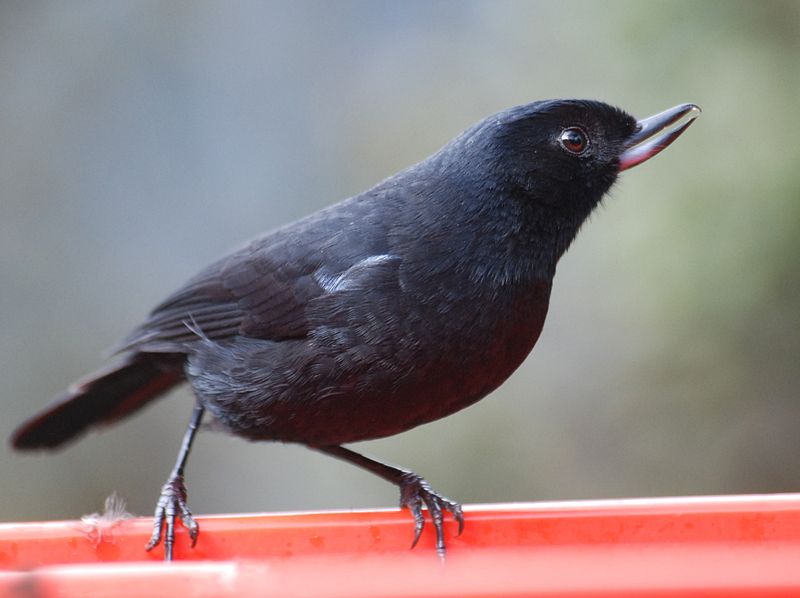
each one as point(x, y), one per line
point(385, 311)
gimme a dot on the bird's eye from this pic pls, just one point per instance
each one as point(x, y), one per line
point(574, 140)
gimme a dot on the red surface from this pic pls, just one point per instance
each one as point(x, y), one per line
point(718, 546)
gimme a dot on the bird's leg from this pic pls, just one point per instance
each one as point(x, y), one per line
point(414, 493)
point(172, 502)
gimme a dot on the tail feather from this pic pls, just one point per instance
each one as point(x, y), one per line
point(101, 398)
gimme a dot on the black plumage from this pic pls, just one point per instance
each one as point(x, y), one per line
point(390, 309)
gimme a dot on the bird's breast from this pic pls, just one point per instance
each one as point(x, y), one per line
point(435, 357)
point(481, 347)
point(378, 364)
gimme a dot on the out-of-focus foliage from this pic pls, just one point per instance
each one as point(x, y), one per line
point(141, 140)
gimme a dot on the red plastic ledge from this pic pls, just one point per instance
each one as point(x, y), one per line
point(711, 546)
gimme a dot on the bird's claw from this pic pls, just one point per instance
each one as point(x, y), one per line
point(416, 492)
point(171, 505)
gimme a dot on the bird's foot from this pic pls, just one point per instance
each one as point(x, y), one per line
point(172, 504)
point(416, 492)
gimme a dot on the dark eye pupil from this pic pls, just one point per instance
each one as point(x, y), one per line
point(573, 140)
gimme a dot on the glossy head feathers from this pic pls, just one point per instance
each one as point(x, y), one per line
point(553, 152)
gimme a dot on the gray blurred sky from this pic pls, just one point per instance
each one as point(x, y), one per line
point(142, 139)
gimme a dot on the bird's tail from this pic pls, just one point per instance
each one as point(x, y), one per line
point(100, 398)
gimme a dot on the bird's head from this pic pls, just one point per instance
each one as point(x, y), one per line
point(565, 154)
point(528, 177)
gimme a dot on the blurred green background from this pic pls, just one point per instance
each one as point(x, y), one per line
point(140, 140)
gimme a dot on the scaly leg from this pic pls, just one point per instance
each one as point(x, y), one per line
point(414, 493)
point(172, 501)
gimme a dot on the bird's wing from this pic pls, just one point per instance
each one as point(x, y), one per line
point(263, 290)
point(252, 292)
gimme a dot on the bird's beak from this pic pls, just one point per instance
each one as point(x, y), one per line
point(655, 133)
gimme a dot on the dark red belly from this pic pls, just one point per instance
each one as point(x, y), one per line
point(471, 363)
point(370, 377)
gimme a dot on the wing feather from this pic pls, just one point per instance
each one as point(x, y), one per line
point(264, 289)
